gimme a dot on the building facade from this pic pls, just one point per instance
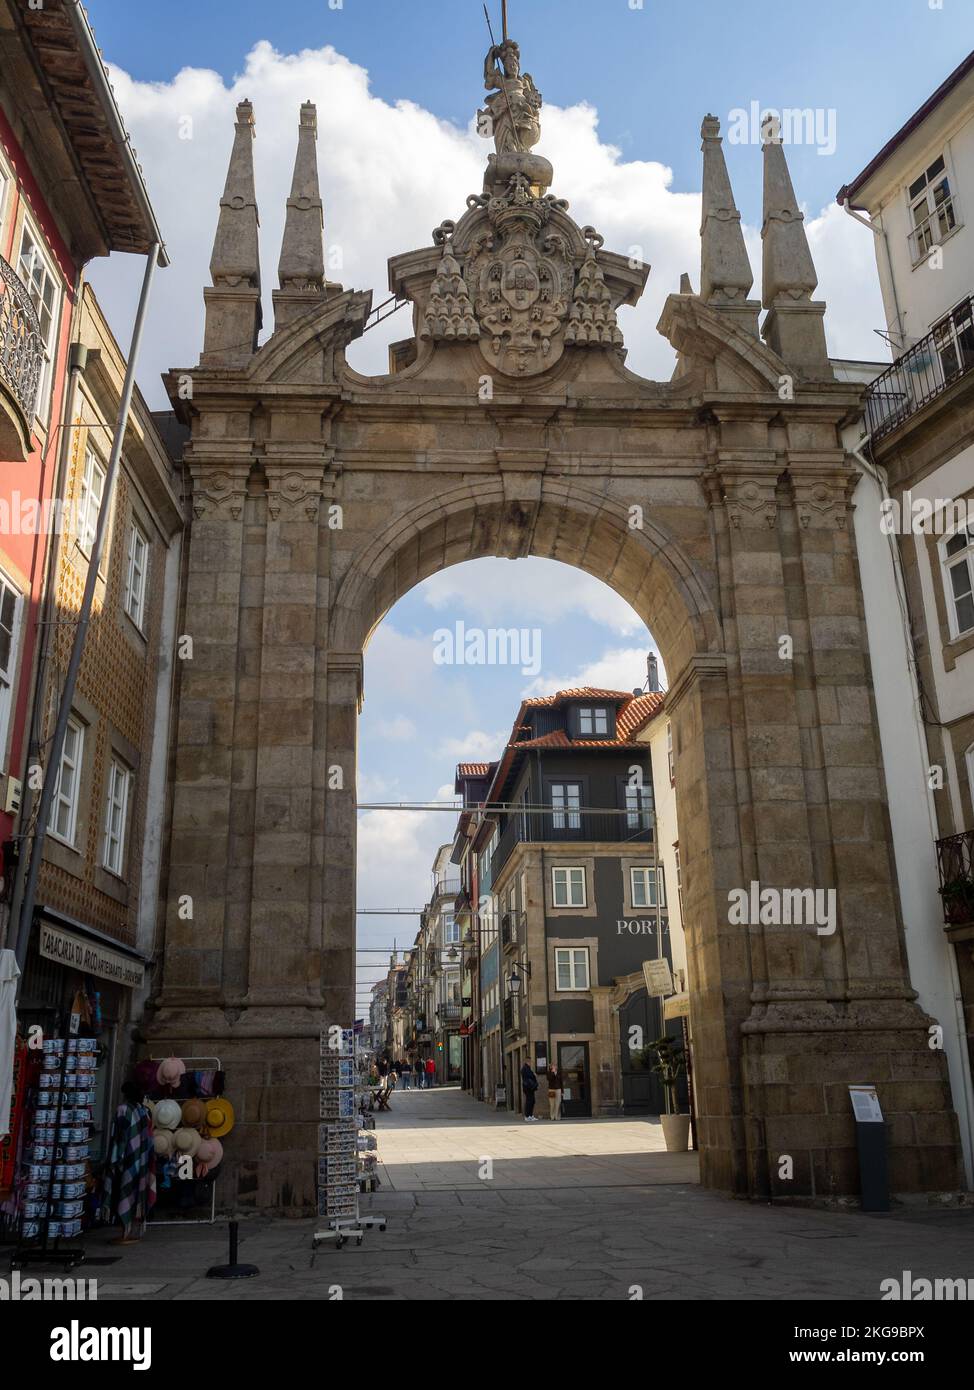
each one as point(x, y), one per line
point(101, 873)
point(70, 191)
point(915, 541)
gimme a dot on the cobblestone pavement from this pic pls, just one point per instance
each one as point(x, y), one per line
point(579, 1209)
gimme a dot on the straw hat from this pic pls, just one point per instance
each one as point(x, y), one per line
point(188, 1141)
point(219, 1117)
point(171, 1072)
point(163, 1142)
point(168, 1115)
point(210, 1152)
point(194, 1113)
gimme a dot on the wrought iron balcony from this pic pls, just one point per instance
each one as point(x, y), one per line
point(448, 1013)
point(955, 860)
point(21, 361)
point(923, 372)
point(512, 929)
point(558, 824)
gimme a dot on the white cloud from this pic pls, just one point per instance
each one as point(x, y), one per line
point(497, 594)
point(389, 174)
point(474, 747)
point(623, 668)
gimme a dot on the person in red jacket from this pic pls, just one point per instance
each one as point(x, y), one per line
point(430, 1072)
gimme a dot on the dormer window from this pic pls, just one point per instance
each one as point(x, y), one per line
point(593, 721)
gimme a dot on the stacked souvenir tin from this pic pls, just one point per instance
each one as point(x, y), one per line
point(59, 1147)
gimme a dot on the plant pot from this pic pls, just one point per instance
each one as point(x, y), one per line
point(676, 1132)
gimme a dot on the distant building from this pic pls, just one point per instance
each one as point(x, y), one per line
point(572, 900)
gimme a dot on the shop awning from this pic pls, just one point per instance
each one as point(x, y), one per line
point(87, 950)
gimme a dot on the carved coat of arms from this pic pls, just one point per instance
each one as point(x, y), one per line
point(521, 281)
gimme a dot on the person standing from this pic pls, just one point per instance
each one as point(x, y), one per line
point(555, 1088)
point(407, 1074)
point(129, 1184)
point(430, 1073)
point(529, 1086)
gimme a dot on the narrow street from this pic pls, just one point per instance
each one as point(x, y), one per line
point(577, 1210)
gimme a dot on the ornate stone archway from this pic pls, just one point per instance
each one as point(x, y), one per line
point(716, 503)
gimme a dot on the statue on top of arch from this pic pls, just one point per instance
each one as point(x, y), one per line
point(514, 105)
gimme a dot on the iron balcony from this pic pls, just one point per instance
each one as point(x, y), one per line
point(924, 372)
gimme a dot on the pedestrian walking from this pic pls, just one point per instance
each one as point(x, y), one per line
point(555, 1088)
point(430, 1073)
point(407, 1074)
point(393, 1077)
point(529, 1085)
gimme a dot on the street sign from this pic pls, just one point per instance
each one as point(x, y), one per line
point(677, 1006)
point(657, 975)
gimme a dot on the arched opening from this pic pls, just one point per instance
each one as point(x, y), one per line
point(565, 520)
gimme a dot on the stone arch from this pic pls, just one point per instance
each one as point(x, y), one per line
point(647, 565)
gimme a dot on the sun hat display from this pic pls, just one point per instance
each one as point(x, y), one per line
point(194, 1113)
point(171, 1072)
point(188, 1141)
point(168, 1115)
point(163, 1143)
point(219, 1117)
point(210, 1152)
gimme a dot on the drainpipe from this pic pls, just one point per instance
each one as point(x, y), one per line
point(878, 474)
point(77, 361)
point(53, 765)
point(880, 233)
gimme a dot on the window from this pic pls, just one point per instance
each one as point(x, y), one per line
point(669, 754)
point(9, 628)
point(137, 565)
point(35, 271)
point(566, 798)
point(65, 820)
point(643, 884)
point(571, 967)
point(958, 562)
point(568, 887)
point(639, 805)
point(679, 877)
point(593, 721)
point(119, 778)
point(89, 504)
point(451, 929)
point(932, 212)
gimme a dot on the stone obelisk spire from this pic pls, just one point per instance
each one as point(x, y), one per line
point(794, 327)
point(233, 312)
point(301, 269)
point(725, 271)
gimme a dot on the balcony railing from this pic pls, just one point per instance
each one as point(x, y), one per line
point(511, 1015)
point(556, 825)
point(923, 372)
point(21, 344)
point(512, 928)
point(955, 860)
point(449, 1013)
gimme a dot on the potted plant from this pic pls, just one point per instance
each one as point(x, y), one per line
point(958, 896)
point(669, 1063)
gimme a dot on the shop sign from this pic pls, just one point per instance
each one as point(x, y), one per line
point(656, 974)
point(89, 957)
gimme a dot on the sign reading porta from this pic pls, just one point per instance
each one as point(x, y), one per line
point(90, 957)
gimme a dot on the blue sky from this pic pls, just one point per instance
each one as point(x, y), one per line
point(625, 90)
point(651, 72)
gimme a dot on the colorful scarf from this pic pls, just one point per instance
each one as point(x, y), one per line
point(130, 1173)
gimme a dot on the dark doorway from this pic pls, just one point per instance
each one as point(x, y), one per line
point(573, 1065)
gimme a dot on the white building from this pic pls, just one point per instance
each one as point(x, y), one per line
point(915, 542)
